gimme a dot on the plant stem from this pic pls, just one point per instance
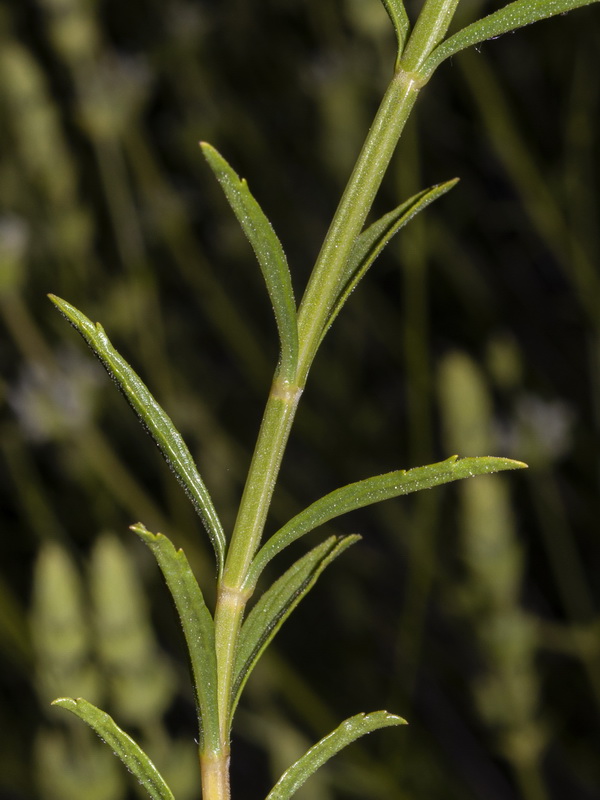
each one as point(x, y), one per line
point(318, 300)
point(214, 769)
point(232, 595)
point(434, 20)
point(283, 399)
point(351, 213)
point(264, 468)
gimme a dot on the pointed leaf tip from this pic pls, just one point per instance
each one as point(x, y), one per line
point(377, 236)
point(198, 628)
point(269, 253)
point(374, 490)
point(123, 746)
point(350, 730)
point(155, 420)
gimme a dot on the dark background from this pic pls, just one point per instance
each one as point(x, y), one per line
point(471, 610)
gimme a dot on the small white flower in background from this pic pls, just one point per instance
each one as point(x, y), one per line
point(541, 430)
point(117, 90)
point(50, 404)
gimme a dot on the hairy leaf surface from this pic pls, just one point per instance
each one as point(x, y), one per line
point(373, 490)
point(350, 730)
point(397, 13)
point(154, 419)
point(198, 628)
point(278, 602)
point(269, 253)
point(130, 753)
point(372, 241)
point(514, 15)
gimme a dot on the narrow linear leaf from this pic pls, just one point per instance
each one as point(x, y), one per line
point(372, 241)
point(350, 730)
point(269, 253)
point(154, 419)
point(198, 629)
point(514, 15)
point(397, 13)
point(373, 490)
point(278, 602)
point(123, 746)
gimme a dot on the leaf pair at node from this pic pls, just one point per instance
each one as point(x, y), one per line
point(273, 262)
point(277, 602)
point(512, 16)
point(142, 768)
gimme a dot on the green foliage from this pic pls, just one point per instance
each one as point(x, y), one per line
point(225, 645)
point(372, 241)
point(158, 424)
point(114, 659)
point(369, 491)
point(278, 602)
point(122, 745)
point(512, 16)
point(269, 253)
point(197, 626)
point(349, 731)
point(400, 21)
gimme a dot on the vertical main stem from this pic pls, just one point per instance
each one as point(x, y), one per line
point(318, 300)
point(280, 410)
point(429, 30)
point(256, 499)
point(264, 468)
point(351, 213)
point(283, 399)
point(214, 770)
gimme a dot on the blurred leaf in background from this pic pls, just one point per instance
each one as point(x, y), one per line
point(487, 640)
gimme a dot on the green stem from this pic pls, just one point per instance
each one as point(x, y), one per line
point(351, 213)
point(319, 298)
point(283, 399)
point(256, 499)
point(232, 595)
point(434, 20)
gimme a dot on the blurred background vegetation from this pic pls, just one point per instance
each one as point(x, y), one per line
point(470, 610)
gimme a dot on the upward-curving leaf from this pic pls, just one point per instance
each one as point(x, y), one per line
point(198, 629)
point(154, 419)
point(514, 15)
point(130, 753)
point(397, 13)
point(350, 730)
point(269, 253)
point(372, 241)
point(369, 491)
point(278, 602)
